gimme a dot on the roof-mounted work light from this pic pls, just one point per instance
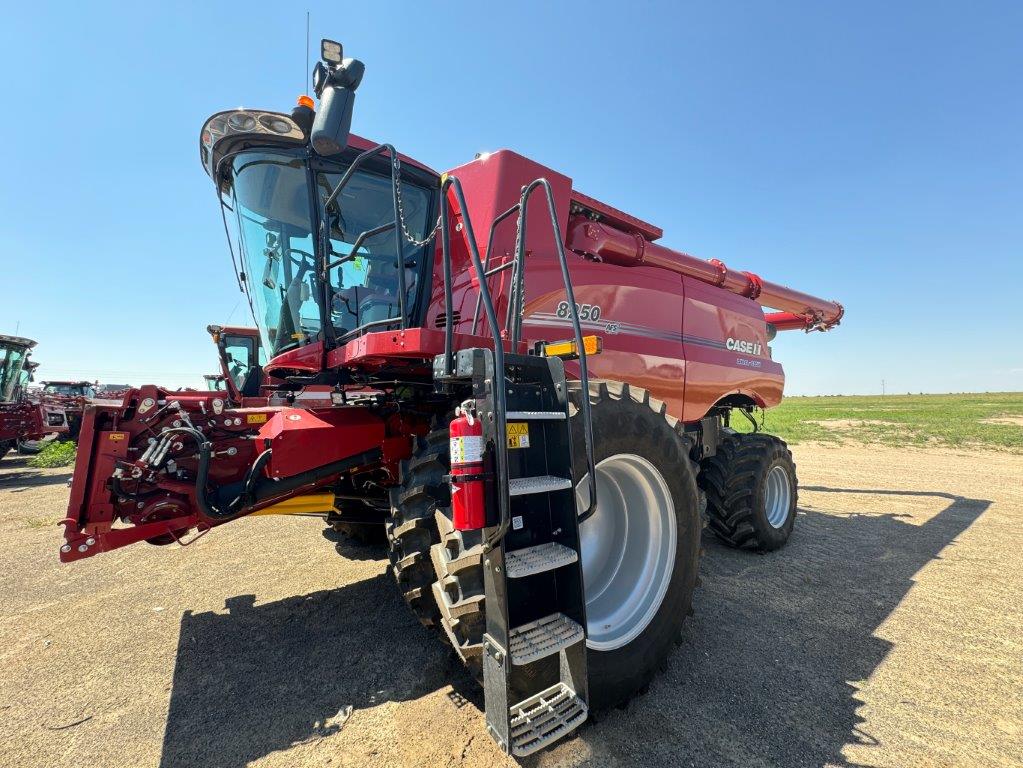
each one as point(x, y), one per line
point(331, 52)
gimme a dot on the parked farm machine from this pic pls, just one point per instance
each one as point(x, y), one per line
point(72, 396)
point(531, 394)
point(22, 419)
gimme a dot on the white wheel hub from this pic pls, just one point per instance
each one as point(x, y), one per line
point(777, 496)
point(627, 547)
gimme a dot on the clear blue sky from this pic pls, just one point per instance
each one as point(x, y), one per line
point(869, 152)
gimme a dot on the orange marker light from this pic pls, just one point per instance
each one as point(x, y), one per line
point(306, 101)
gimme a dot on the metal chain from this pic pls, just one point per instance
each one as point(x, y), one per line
point(401, 210)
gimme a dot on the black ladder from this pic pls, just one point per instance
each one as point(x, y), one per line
point(534, 648)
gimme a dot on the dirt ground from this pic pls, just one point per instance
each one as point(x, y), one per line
point(888, 633)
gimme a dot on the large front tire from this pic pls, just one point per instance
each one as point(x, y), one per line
point(637, 448)
point(640, 549)
point(411, 529)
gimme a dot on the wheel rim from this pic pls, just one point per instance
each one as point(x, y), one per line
point(627, 547)
point(777, 496)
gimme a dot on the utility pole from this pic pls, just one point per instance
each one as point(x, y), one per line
point(882, 387)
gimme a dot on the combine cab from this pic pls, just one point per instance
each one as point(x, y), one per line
point(23, 421)
point(529, 393)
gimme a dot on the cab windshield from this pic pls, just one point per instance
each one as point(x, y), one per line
point(274, 232)
point(69, 390)
point(271, 201)
point(11, 360)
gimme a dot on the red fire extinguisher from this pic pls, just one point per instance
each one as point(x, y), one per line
point(468, 510)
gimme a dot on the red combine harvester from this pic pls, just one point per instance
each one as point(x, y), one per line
point(72, 396)
point(21, 419)
point(542, 495)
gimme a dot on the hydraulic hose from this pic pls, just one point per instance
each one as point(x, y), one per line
point(257, 489)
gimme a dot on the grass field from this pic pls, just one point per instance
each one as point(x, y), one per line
point(994, 420)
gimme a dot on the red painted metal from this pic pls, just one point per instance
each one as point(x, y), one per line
point(691, 332)
point(303, 439)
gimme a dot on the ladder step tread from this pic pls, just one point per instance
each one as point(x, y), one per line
point(522, 486)
point(543, 637)
point(538, 559)
point(543, 718)
point(536, 415)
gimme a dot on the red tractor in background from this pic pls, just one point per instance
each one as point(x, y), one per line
point(517, 381)
point(241, 360)
point(21, 419)
point(72, 396)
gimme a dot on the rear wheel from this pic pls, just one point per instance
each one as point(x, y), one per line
point(5, 446)
point(639, 549)
point(30, 447)
point(752, 491)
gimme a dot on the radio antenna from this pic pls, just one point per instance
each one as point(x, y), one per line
point(307, 74)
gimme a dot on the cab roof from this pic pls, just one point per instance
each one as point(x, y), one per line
point(17, 341)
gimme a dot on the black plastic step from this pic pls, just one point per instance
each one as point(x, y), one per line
point(538, 559)
point(542, 638)
point(536, 416)
point(544, 718)
point(524, 486)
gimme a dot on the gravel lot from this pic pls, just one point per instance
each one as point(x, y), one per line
point(888, 633)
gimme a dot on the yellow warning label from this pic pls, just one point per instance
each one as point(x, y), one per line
point(115, 436)
point(256, 418)
point(518, 434)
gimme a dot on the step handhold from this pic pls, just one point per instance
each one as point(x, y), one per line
point(544, 718)
point(543, 637)
point(538, 559)
point(523, 486)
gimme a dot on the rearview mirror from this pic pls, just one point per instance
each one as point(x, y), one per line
point(335, 87)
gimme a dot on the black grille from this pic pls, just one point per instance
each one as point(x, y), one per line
point(456, 318)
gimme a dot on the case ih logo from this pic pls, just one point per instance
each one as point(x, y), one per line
point(745, 347)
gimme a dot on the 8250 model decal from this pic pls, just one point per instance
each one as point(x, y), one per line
point(587, 312)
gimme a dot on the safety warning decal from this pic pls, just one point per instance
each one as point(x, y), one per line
point(467, 449)
point(256, 418)
point(518, 434)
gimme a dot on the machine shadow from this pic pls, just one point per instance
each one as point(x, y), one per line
point(764, 675)
point(260, 678)
point(767, 669)
point(16, 475)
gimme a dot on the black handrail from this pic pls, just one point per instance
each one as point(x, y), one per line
point(519, 276)
point(515, 310)
point(487, 272)
point(402, 318)
point(497, 384)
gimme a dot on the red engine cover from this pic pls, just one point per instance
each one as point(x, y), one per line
point(304, 439)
